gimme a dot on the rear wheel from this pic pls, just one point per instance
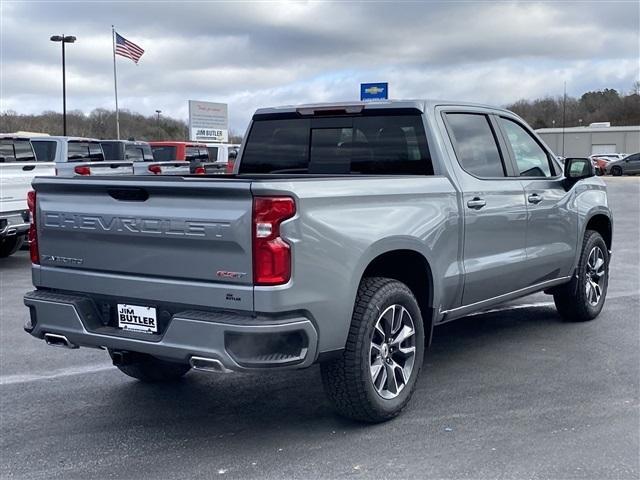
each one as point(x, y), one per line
point(582, 299)
point(375, 377)
point(10, 245)
point(616, 171)
point(149, 369)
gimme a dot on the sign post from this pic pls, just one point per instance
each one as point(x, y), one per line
point(208, 122)
point(370, 92)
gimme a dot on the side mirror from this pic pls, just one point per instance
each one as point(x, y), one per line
point(578, 168)
point(233, 154)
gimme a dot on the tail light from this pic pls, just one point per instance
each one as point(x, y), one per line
point(200, 171)
point(32, 235)
point(271, 254)
point(82, 170)
point(155, 169)
point(230, 164)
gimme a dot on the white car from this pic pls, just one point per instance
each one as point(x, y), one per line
point(221, 157)
point(18, 167)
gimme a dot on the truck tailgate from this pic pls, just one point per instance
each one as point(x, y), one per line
point(178, 228)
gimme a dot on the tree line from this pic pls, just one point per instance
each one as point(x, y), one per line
point(606, 105)
point(101, 123)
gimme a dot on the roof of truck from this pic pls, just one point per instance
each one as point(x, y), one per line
point(356, 107)
point(66, 139)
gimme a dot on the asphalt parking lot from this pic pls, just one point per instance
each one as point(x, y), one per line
point(513, 393)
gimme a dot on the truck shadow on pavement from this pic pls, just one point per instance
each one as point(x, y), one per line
point(227, 405)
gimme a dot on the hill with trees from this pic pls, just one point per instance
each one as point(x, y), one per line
point(606, 105)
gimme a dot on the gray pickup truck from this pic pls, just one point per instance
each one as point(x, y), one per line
point(344, 235)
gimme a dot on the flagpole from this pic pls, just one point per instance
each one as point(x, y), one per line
point(115, 80)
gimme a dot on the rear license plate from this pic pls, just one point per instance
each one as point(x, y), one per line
point(137, 318)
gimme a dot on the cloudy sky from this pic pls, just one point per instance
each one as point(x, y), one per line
point(271, 53)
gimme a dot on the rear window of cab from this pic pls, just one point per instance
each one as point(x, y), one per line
point(390, 144)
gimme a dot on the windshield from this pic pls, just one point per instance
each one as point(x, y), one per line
point(164, 153)
point(372, 145)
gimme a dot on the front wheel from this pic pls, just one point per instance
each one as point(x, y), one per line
point(375, 377)
point(616, 171)
point(582, 299)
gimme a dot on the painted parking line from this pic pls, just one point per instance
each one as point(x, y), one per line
point(65, 372)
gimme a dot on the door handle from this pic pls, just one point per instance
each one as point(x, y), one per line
point(534, 198)
point(26, 168)
point(476, 203)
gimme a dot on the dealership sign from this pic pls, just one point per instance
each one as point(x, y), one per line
point(208, 122)
point(374, 91)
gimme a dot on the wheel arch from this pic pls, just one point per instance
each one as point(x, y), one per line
point(602, 224)
point(413, 269)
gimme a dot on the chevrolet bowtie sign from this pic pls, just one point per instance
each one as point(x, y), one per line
point(374, 91)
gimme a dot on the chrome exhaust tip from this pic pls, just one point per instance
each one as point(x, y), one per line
point(56, 340)
point(208, 365)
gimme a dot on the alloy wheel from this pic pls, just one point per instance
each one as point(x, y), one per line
point(393, 351)
point(595, 276)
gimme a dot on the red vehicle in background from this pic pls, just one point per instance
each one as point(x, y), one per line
point(170, 151)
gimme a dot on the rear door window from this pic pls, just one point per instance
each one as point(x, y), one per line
point(475, 144)
point(371, 145)
point(45, 150)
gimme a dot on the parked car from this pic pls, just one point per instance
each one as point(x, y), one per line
point(18, 167)
point(346, 233)
point(170, 151)
point(78, 156)
point(600, 161)
point(169, 158)
point(221, 157)
point(629, 165)
point(130, 150)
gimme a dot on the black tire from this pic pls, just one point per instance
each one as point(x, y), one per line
point(347, 380)
point(149, 369)
point(10, 245)
point(616, 171)
point(572, 299)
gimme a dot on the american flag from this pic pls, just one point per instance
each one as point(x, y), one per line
point(128, 49)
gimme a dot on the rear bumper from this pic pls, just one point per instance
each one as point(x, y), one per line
point(239, 342)
point(14, 223)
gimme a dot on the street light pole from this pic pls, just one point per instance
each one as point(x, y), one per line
point(64, 39)
point(158, 112)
